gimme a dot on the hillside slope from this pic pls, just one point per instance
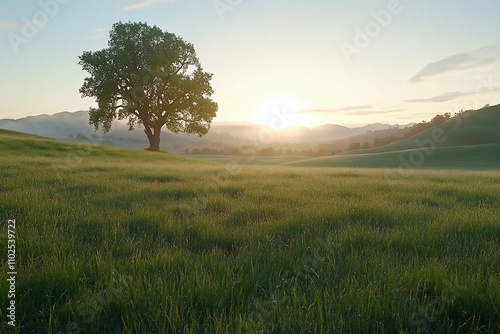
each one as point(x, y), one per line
point(28, 147)
point(473, 128)
point(468, 141)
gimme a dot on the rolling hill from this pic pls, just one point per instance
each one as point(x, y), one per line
point(468, 141)
point(73, 126)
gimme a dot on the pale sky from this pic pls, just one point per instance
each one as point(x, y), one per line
point(340, 62)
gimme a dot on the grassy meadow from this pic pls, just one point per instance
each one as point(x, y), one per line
point(128, 241)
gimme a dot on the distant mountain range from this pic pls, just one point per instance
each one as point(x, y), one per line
point(73, 126)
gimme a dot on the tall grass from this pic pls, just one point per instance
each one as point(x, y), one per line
point(136, 242)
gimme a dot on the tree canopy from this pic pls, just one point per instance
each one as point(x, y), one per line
point(151, 78)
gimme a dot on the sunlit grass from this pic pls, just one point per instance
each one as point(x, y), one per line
point(130, 241)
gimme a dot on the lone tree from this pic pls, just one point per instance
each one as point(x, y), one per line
point(149, 77)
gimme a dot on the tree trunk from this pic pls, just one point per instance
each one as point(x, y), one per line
point(154, 139)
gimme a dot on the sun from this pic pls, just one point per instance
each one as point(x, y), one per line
point(282, 113)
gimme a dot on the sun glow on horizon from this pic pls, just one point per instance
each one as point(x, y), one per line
point(283, 113)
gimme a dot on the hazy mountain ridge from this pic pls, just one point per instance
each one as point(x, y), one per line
point(74, 126)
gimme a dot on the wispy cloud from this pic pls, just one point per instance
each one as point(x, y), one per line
point(355, 111)
point(17, 25)
point(375, 112)
point(488, 48)
point(445, 97)
point(144, 4)
point(439, 98)
point(98, 33)
point(411, 116)
point(8, 25)
point(476, 59)
point(336, 110)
